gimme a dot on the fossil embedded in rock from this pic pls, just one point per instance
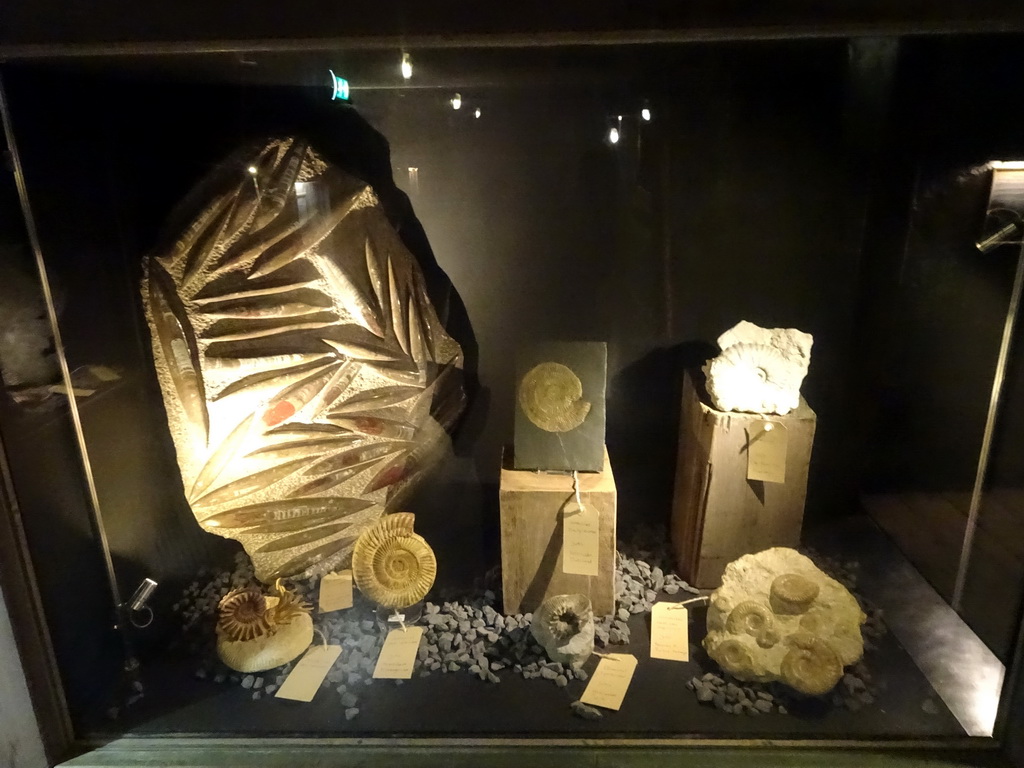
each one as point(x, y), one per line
point(808, 635)
point(287, 306)
point(810, 665)
point(564, 626)
point(792, 593)
point(551, 396)
point(759, 370)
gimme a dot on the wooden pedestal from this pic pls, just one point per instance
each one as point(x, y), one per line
point(718, 514)
point(531, 537)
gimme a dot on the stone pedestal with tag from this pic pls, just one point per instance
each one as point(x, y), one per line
point(741, 483)
point(536, 507)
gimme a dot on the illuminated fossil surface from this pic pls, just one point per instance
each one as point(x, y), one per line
point(778, 617)
point(393, 566)
point(759, 370)
point(307, 380)
point(256, 632)
point(551, 395)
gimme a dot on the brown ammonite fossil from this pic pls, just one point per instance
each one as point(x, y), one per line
point(551, 396)
point(246, 614)
point(243, 615)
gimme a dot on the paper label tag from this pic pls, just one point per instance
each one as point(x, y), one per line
point(398, 655)
point(670, 632)
point(580, 539)
point(608, 684)
point(305, 678)
point(336, 591)
point(767, 445)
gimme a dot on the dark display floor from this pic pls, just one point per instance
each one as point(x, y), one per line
point(658, 705)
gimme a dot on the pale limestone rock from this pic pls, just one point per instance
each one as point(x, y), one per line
point(564, 626)
point(759, 370)
point(778, 617)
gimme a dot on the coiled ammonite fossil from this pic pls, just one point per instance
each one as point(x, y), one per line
point(551, 396)
point(391, 565)
point(811, 666)
point(753, 618)
point(792, 594)
point(735, 657)
point(243, 615)
point(565, 615)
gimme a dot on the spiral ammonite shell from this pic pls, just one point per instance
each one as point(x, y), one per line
point(565, 615)
point(243, 615)
point(550, 395)
point(811, 666)
point(750, 618)
point(792, 594)
point(391, 565)
point(732, 655)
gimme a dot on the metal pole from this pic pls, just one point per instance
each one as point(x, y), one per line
point(51, 312)
point(990, 425)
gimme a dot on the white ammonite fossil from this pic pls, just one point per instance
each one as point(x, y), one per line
point(754, 378)
point(391, 565)
point(551, 396)
point(564, 626)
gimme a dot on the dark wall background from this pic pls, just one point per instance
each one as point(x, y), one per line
point(774, 184)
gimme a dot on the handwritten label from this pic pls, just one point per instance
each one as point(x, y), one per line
point(670, 632)
point(398, 655)
point(336, 591)
point(608, 684)
point(767, 445)
point(305, 678)
point(580, 539)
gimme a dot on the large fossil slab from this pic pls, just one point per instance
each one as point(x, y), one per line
point(777, 616)
point(307, 380)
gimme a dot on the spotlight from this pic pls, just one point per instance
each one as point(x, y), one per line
point(252, 169)
point(406, 66)
point(476, 113)
point(456, 101)
point(645, 114)
point(613, 135)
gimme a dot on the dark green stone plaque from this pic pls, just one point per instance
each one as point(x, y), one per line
point(560, 406)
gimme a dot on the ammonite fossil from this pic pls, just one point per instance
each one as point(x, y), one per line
point(735, 657)
point(777, 617)
point(551, 396)
point(792, 594)
point(391, 565)
point(242, 615)
point(811, 666)
point(564, 626)
point(256, 632)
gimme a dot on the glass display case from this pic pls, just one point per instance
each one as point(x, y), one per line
point(261, 299)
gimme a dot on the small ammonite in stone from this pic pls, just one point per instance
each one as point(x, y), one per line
point(792, 594)
point(551, 396)
point(811, 665)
